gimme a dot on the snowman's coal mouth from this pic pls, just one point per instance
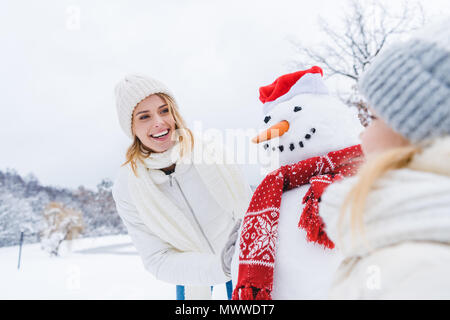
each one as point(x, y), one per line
point(292, 146)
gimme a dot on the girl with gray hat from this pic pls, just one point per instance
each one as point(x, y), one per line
point(178, 202)
point(392, 221)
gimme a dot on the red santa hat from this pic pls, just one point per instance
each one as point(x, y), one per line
point(290, 85)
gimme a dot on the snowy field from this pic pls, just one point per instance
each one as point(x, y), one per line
point(94, 268)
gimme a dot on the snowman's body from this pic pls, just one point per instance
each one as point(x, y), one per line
point(303, 269)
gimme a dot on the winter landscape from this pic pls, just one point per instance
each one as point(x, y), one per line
point(23, 201)
point(93, 268)
point(61, 145)
point(101, 263)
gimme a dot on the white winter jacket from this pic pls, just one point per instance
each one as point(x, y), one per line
point(407, 228)
point(186, 190)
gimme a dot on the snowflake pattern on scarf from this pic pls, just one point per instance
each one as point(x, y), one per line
point(260, 226)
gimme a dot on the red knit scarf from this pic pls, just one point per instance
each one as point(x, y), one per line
point(259, 231)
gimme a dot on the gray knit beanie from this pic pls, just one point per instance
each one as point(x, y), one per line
point(131, 90)
point(408, 85)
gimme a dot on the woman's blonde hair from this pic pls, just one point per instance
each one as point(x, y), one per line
point(138, 152)
point(372, 170)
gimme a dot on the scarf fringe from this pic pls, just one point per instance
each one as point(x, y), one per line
point(312, 223)
point(264, 294)
point(248, 293)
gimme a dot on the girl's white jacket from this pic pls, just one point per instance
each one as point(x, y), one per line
point(213, 225)
point(406, 251)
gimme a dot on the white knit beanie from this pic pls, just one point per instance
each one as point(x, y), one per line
point(130, 91)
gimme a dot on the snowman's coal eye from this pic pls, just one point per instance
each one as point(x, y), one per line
point(297, 108)
point(267, 119)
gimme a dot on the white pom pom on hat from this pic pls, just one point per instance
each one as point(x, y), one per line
point(131, 90)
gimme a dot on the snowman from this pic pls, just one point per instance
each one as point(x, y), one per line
point(283, 251)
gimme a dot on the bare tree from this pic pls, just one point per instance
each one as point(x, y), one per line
point(349, 48)
point(61, 224)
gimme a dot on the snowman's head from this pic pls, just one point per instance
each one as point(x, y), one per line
point(307, 125)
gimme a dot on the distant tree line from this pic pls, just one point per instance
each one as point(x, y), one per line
point(23, 201)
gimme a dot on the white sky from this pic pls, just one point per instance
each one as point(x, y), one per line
point(57, 109)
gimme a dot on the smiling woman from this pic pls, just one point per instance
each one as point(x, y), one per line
point(153, 122)
point(178, 212)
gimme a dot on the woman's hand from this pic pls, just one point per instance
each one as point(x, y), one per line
point(228, 250)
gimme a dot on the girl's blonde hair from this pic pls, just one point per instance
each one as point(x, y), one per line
point(372, 170)
point(138, 152)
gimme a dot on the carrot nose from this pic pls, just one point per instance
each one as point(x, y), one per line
point(277, 130)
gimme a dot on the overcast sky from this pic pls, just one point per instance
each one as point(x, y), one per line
point(57, 109)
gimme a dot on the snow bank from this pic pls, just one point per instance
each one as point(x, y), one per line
point(94, 268)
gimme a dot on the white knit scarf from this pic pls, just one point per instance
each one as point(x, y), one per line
point(409, 204)
point(225, 182)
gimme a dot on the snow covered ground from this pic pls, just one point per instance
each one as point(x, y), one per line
point(95, 268)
